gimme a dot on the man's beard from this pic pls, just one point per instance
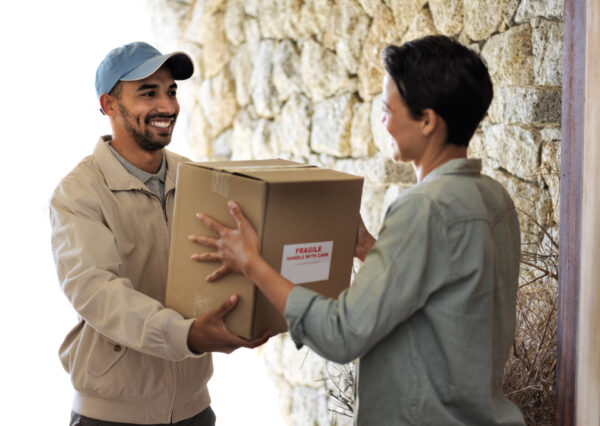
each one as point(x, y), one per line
point(145, 139)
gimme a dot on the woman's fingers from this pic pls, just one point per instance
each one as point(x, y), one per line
point(223, 270)
point(206, 257)
point(204, 241)
point(210, 223)
point(236, 212)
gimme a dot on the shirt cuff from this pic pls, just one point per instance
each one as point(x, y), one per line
point(298, 303)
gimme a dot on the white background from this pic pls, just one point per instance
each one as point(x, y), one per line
point(50, 120)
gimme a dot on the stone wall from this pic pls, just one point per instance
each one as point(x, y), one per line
point(301, 80)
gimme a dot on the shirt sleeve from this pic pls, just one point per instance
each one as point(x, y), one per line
point(408, 262)
point(88, 266)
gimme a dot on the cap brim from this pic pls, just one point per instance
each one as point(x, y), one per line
point(179, 63)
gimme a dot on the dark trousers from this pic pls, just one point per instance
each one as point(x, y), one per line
point(204, 418)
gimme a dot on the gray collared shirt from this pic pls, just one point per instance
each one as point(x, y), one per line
point(431, 313)
point(155, 182)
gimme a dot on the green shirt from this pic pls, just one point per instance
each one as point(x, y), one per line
point(431, 313)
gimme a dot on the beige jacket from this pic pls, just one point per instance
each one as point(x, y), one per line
point(128, 356)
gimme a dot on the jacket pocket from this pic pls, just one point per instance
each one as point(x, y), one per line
point(68, 348)
point(106, 355)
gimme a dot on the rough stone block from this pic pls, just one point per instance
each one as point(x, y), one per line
point(168, 21)
point(551, 9)
point(447, 16)
point(421, 26)
point(293, 126)
point(509, 57)
point(199, 133)
point(529, 198)
point(515, 148)
point(531, 105)
point(547, 39)
point(323, 73)
point(370, 68)
point(252, 7)
point(217, 98)
point(484, 17)
point(207, 28)
point(331, 123)
point(404, 12)
point(551, 133)
point(265, 143)
point(221, 149)
point(216, 52)
point(252, 32)
point(291, 25)
point(361, 139)
point(286, 70)
point(369, 6)
point(243, 129)
point(347, 31)
point(314, 18)
point(241, 62)
point(271, 19)
point(262, 90)
point(372, 205)
point(550, 170)
point(234, 22)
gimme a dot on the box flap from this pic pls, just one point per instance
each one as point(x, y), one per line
point(276, 171)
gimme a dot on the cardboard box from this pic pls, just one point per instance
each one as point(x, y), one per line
point(306, 217)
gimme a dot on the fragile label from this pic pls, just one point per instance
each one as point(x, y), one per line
point(307, 262)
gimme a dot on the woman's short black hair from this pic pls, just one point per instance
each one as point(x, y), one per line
point(439, 73)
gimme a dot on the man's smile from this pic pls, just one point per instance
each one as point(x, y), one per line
point(163, 124)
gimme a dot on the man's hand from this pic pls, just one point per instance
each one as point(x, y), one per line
point(208, 333)
point(364, 241)
point(235, 248)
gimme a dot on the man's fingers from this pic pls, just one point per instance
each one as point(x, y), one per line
point(225, 307)
point(258, 341)
point(238, 342)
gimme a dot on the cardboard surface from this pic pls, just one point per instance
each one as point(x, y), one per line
point(306, 218)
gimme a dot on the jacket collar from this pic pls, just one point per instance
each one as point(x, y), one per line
point(116, 175)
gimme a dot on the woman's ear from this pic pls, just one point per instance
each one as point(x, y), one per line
point(430, 121)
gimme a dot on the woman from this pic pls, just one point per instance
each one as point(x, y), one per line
point(431, 313)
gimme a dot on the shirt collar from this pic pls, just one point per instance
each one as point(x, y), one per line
point(456, 166)
point(142, 175)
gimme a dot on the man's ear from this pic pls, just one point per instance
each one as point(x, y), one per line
point(429, 120)
point(108, 104)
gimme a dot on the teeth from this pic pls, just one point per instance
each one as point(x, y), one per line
point(162, 124)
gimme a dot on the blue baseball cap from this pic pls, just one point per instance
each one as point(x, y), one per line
point(136, 61)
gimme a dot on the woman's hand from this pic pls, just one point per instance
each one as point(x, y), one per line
point(364, 241)
point(235, 248)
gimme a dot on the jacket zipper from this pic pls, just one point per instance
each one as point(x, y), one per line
point(174, 364)
point(176, 389)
